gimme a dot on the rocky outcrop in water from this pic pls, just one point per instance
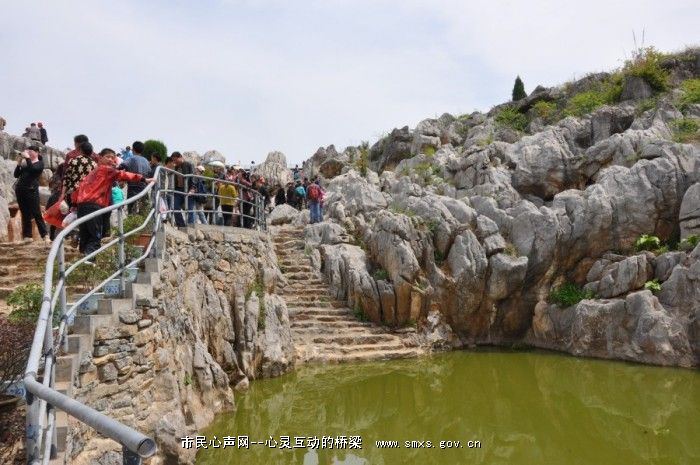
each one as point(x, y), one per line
point(476, 223)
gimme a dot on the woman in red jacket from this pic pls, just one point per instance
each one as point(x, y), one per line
point(95, 192)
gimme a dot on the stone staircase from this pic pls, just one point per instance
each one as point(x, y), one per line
point(22, 263)
point(82, 336)
point(324, 329)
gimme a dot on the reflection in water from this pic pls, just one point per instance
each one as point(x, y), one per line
point(525, 408)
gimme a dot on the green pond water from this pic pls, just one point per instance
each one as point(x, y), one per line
point(523, 407)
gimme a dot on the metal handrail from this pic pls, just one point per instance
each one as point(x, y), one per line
point(41, 418)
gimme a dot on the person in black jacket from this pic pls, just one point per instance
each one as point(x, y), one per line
point(29, 168)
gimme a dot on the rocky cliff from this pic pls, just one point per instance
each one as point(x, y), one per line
point(531, 223)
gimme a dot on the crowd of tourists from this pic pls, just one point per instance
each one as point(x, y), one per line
point(87, 181)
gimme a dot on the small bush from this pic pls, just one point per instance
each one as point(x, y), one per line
point(646, 64)
point(25, 302)
point(485, 142)
point(155, 146)
point(645, 105)
point(691, 93)
point(362, 163)
point(690, 242)
point(545, 110)
point(359, 312)
point(438, 256)
point(686, 130)
point(647, 242)
point(512, 118)
point(429, 151)
point(584, 103)
point(15, 340)
point(653, 285)
point(380, 274)
point(569, 294)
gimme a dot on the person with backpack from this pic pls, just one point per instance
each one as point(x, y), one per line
point(291, 195)
point(201, 197)
point(314, 194)
point(300, 195)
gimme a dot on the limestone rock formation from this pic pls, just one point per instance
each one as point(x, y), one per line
point(274, 169)
point(283, 214)
point(480, 223)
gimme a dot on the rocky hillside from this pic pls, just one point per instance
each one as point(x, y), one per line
point(567, 220)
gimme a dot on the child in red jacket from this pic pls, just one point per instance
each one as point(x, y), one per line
point(95, 192)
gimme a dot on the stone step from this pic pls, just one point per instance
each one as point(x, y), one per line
point(338, 325)
point(138, 291)
point(153, 265)
point(148, 277)
point(360, 348)
point(67, 368)
point(319, 311)
point(296, 268)
point(113, 306)
point(61, 431)
point(359, 339)
point(87, 324)
point(78, 343)
point(307, 303)
point(65, 388)
point(364, 356)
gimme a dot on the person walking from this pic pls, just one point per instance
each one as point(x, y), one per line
point(29, 168)
point(137, 164)
point(94, 193)
point(56, 187)
point(43, 133)
point(184, 186)
point(76, 169)
point(34, 133)
point(280, 195)
point(228, 198)
point(315, 194)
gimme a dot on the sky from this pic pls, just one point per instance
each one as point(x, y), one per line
point(247, 77)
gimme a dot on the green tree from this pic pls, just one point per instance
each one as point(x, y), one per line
point(518, 90)
point(155, 146)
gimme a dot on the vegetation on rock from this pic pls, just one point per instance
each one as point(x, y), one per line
point(569, 294)
point(686, 130)
point(646, 64)
point(518, 90)
point(25, 302)
point(511, 118)
point(647, 242)
point(654, 285)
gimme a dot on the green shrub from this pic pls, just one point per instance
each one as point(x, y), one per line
point(686, 130)
point(359, 312)
point(569, 294)
point(25, 302)
point(647, 242)
point(690, 242)
point(512, 118)
point(429, 151)
point(155, 146)
point(438, 256)
point(545, 110)
point(584, 103)
point(518, 90)
point(380, 274)
point(653, 285)
point(362, 163)
point(646, 104)
point(646, 64)
point(691, 93)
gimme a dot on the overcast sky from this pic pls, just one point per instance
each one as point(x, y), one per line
point(249, 77)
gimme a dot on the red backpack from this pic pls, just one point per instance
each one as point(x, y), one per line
point(313, 192)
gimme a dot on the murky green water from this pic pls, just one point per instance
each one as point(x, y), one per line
point(524, 408)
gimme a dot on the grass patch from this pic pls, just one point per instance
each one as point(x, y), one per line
point(429, 151)
point(485, 142)
point(569, 294)
point(510, 250)
point(690, 242)
point(691, 94)
point(604, 93)
point(647, 242)
point(380, 274)
point(645, 105)
point(402, 211)
point(511, 118)
point(545, 110)
point(686, 130)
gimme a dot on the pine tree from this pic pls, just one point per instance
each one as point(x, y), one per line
point(518, 90)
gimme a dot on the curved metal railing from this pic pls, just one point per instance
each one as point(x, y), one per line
point(39, 376)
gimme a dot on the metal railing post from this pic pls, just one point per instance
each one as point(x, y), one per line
point(122, 252)
point(186, 185)
point(62, 294)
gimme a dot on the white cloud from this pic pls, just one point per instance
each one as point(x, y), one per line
point(247, 77)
